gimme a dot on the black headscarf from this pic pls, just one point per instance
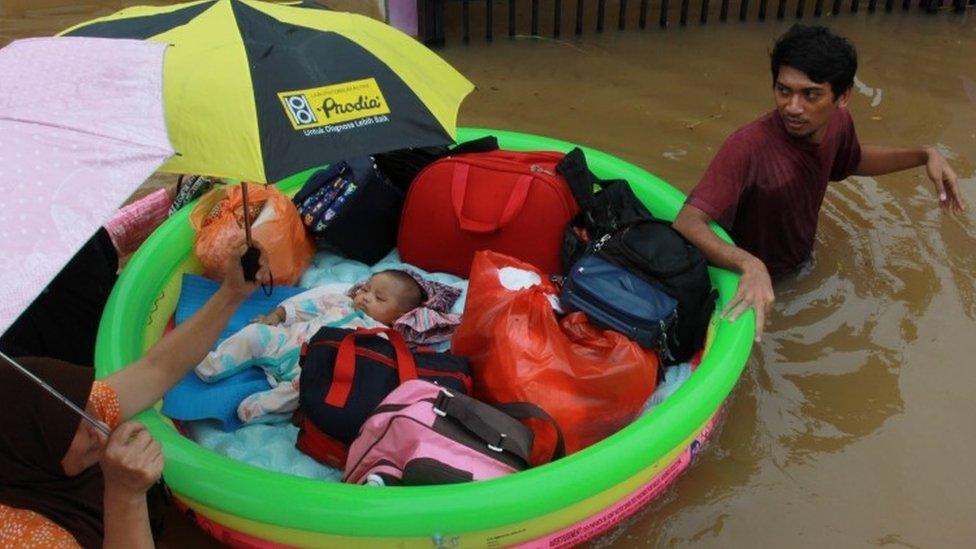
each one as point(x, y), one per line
point(36, 430)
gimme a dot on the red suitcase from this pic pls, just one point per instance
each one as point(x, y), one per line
point(509, 202)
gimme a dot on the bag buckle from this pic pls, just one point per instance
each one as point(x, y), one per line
point(440, 403)
point(499, 446)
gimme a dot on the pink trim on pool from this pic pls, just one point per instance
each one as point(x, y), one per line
point(223, 534)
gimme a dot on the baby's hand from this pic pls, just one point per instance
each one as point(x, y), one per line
point(273, 318)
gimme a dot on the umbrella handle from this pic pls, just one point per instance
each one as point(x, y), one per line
point(250, 263)
point(250, 259)
point(247, 216)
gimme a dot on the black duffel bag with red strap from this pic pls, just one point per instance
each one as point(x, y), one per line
point(347, 373)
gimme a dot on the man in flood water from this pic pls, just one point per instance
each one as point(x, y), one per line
point(767, 182)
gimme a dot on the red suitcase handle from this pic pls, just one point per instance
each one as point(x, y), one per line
point(459, 187)
point(345, 364)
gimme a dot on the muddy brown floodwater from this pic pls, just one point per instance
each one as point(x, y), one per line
point(852, 425)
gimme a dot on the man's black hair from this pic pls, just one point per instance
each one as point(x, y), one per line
point(822, 55)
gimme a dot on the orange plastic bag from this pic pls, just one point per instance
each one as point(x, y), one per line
point(592, 381)
point(219, 217)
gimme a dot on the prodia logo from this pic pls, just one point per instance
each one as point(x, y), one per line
point(335, 104)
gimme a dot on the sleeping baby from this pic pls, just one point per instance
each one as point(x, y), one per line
point(416, 307)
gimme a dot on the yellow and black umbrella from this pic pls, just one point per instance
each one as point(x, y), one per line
point(259, 91)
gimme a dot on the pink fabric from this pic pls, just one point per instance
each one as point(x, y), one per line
point(433, 321)
point(131, 225)
point(81, 127)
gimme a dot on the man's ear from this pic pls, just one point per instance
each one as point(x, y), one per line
point(844, 98)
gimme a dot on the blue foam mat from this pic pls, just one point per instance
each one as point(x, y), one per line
point(193, 399)
point(197, 290)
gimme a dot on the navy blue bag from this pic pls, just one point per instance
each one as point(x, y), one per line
point(614, 298)
point(353, 208)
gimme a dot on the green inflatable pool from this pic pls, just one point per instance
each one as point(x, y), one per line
point(558, 504)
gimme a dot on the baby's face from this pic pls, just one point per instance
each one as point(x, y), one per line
point(383, 297)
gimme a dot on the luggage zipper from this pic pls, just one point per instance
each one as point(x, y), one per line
point(600, 243)
point(387, 361)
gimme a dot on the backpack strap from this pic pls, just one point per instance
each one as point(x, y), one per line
point(581, 181)
point(461, 411)
point(527, 410)
point(494, 436)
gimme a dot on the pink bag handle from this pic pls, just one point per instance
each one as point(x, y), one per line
point(459, 187)
point(345, 364)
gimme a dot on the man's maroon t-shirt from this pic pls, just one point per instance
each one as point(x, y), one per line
point(766, 187)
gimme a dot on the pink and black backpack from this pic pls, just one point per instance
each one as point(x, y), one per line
point(423, 434)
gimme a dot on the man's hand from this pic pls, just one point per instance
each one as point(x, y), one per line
point(234, 274)
point(755, 287)
point(132, 461)
point(945, 181)
point(756, 291)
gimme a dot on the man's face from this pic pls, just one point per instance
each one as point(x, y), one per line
point(805, 105)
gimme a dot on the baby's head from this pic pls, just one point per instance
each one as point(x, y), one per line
point(388, 295)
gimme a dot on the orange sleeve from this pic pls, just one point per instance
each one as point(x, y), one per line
point(27, 529)
point(106, 403)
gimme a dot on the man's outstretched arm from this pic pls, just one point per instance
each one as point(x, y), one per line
point(755, 287)
point(876, 160)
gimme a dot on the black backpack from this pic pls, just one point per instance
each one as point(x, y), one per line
point(615, 224)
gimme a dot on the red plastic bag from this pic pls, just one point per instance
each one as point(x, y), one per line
point(592, 381)
point(219, 217)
